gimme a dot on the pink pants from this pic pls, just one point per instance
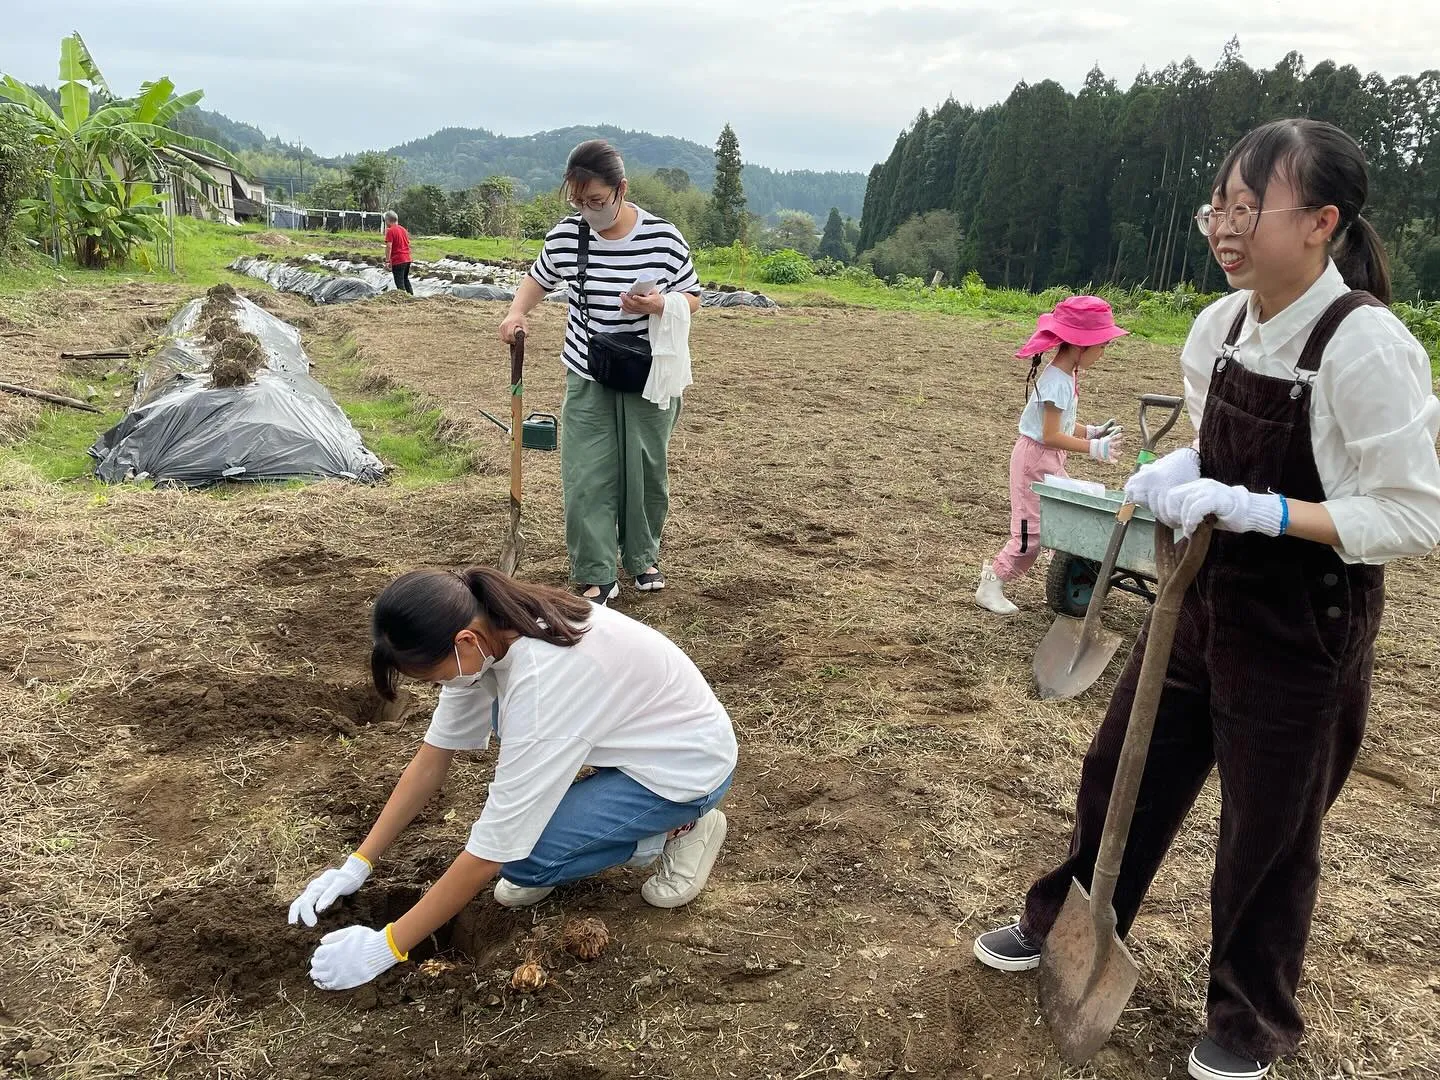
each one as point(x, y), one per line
point(1029, 461)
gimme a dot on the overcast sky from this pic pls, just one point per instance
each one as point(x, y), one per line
point(821, 84)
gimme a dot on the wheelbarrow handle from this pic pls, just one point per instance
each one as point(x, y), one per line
point(1176, 573)
point(1148, 439)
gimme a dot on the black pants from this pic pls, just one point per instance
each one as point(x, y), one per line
point(1284, 749)
point(401, 272)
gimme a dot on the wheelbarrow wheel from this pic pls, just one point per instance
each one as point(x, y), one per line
point(1069, 583)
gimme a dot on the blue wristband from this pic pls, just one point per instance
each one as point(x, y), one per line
point(1284, 514)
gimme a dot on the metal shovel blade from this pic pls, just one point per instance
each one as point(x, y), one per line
point(1069, 661)
point(1086, 977)
point(514, 543)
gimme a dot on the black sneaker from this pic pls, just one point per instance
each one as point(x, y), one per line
point(1211, 1061)
point(607, 593)
point(1007, 949)
point(650, 581)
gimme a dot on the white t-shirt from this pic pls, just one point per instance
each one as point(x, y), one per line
point(1373, 415)
point(1053, 387)
point(625, 697)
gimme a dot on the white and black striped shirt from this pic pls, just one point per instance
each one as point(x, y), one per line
point(654, 244)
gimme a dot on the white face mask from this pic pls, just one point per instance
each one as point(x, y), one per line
point(462, 680)
point(605, 217)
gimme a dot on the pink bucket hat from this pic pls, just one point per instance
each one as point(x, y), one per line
point(1080, 320)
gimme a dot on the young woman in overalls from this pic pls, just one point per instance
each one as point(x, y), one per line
point(1316, 461)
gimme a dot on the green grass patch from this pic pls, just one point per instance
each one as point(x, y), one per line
point(57, 447)
point(405, 435)
point(395, 423)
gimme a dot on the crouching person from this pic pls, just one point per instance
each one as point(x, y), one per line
point(562, 684)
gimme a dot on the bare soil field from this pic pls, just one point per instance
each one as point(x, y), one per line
point(188, 737)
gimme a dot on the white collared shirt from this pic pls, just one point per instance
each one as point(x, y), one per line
point(1373, 414)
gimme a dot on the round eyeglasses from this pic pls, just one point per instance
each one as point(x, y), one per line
point(1240, 218)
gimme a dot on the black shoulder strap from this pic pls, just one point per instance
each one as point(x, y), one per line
point(1329, 322)
point(584, 259)
point(582, 266)
point(1238, 325)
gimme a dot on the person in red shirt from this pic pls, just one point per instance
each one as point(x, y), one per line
point(397, 251)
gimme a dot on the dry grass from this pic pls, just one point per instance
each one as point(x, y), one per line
point(838, 476)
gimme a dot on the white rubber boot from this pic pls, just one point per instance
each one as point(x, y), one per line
point(991, 593)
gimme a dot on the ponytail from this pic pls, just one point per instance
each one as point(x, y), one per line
point(1361, 259)
point(1034, 375)
point(533, 611)
point(418, 615)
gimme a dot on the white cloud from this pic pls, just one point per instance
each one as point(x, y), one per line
point(807, 84)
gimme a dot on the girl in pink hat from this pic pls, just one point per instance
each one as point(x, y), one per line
point(1080, 327)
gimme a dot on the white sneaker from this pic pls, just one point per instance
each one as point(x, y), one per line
point(518, 896)
point(685, 863)
point(991, 593)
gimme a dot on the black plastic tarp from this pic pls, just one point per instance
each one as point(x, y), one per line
point(282, 426)
point(321, 287)
point(739, 298)
point(360, 281)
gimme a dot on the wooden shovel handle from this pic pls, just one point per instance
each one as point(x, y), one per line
point(517, 410)
point(1176, 576)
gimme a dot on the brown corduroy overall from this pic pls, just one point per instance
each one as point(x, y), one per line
point(1269, 680)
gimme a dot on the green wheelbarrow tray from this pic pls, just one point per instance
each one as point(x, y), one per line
point(1079, 524)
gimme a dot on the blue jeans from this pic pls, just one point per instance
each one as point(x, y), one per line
point(601, 822)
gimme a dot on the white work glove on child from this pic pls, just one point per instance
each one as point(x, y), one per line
point(1106, 449)
point(1152, 481)
point(1234, 508)
point(327, 888)
point(1109, 427)
point(351, 957)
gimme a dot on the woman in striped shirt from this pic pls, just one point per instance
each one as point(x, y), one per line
point(612, 444)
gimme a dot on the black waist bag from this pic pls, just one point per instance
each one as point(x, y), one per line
point(620, 362)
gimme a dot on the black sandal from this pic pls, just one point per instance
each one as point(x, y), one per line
point(607, 593)
point(650, 581)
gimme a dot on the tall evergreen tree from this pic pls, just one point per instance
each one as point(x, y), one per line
point(832, 242)
point(726, 222)
point(1053, 188)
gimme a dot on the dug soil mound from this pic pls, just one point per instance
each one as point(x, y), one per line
point(236, 941)
point(192, 707)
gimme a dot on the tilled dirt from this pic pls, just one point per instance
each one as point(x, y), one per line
point(192, 739)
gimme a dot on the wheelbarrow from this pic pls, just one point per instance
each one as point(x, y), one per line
point(1076, 526)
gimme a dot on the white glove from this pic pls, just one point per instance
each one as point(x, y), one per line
point(1106, 449)
point(351, 957)
point(1235, 509)
point(1109, 427)
point(1150, 482)
point(327, 888)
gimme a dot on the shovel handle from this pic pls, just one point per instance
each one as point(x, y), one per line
point(517, 410)
point(1151, 439)
point(1176, 573)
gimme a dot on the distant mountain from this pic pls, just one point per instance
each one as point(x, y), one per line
point(219, 128)
point(454, 158)
point(461, 157)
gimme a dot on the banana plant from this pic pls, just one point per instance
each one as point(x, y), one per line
point(111, 158)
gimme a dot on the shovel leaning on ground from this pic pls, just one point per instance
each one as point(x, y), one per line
point(1074, 653)
point(1086, 972)
point(515, 542)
